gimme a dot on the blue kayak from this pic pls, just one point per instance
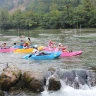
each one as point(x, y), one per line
point(46, 56)
point(21, 47)
point(18, 46)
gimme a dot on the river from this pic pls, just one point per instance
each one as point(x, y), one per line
point(84, 40)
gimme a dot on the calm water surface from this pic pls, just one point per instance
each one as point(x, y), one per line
point(84, 40)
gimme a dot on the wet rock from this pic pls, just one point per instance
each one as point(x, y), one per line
point(54, 83)
point(34, 81)
point(2, 67)
point(91, 79)
point(85, 77)
point(67, 76)
point(78, 77)
point(9, 77)
point(14, 91)
point(52, 70)
point(49, 73)
point(81, 76)
point(20, 85)
point(1, 93)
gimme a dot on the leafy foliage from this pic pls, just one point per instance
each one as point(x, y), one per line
point(50, 14)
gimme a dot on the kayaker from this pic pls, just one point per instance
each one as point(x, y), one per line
point(26, 45)
point(14, 45)
point(22, 42)
point(62, 48)
point(3, 46)
point(36, 51)
point(51, 44)
point(22, 36)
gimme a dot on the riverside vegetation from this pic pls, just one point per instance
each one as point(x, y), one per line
point(50, 14)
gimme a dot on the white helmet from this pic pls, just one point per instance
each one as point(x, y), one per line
point(59, 44)
point(35, 46)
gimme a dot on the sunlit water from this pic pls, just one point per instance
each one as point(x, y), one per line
point(84, 40)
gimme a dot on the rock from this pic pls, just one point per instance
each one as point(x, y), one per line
point(77, 77)
point(34, 81)
point(49, 73)
point(1, 93)
point(54, 83)
point(52, 70)
point(2, 67)
point(67, 76)
point(20, 85)
point(9, 77)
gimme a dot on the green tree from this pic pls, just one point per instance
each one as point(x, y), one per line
point(16, 17)
point(4, 18)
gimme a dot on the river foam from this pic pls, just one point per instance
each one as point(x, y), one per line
point(69, 91)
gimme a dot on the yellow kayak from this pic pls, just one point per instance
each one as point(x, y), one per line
point(28, 50)
point(25, 50)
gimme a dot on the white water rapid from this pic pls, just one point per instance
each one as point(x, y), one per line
point(69, 91)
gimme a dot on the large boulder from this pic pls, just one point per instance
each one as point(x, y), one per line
point(54, 83)
point(9, 77)
point(49, 73)
point(34, 81)
point(19, 87)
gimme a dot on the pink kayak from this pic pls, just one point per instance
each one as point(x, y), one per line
point(68, 54)
point(64, 54)
point(7, 50)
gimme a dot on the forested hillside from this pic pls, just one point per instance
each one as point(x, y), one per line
point(49, 14)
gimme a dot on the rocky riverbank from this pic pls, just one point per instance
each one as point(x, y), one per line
point(13, 80)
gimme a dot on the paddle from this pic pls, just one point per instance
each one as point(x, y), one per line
point(30, 40)
point(30, 55)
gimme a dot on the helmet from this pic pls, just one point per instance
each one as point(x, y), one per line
point(59, 44)
point(35, 46)
point(26, 42)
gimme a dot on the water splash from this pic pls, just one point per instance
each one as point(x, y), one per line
point(70, 91)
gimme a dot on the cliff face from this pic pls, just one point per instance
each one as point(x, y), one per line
point(13, 5)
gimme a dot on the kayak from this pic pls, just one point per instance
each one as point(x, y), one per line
point(21, 47)
point(68, 54)
point(24, 50)
point(28, 50)
point(18, 46)
point(64, 54)
point(46, 56)
point(7, 49)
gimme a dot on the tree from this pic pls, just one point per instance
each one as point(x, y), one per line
point(4, 18)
